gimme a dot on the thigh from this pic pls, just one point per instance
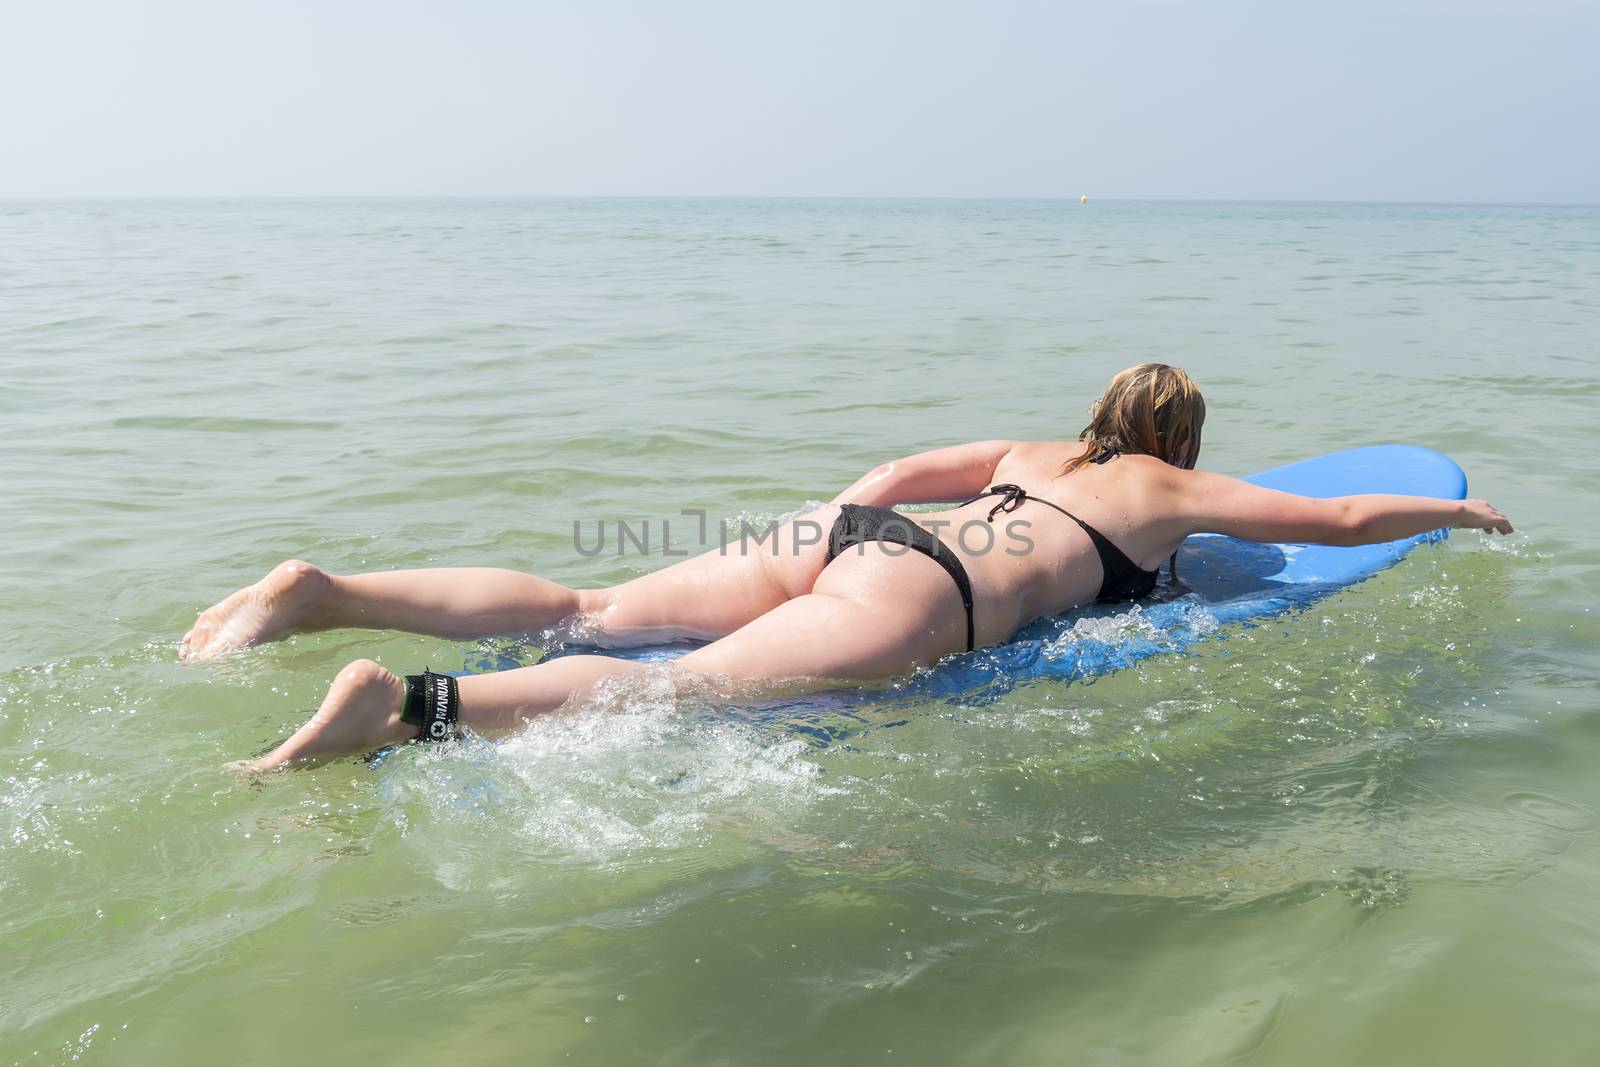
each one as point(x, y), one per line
point(848, 631)
point(717, 592)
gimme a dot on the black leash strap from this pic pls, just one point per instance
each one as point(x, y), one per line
point(432, 705)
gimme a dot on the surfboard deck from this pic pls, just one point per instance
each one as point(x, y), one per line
point(1222, 580)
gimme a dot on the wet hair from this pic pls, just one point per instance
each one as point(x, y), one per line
point(1150, 410)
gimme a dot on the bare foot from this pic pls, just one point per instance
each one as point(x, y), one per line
point(257, 613)
point(361, 712)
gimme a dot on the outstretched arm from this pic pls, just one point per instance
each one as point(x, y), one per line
point(1218, 504)
point(943, 474)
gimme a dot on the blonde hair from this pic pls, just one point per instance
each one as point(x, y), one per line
point(1151, 410)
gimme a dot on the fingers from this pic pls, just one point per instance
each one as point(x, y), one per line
point(1496, 521)
point(1488, 518)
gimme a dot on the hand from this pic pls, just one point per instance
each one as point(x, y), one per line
point(1482, 515)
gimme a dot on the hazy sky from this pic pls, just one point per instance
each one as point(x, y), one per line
point(1407, 100)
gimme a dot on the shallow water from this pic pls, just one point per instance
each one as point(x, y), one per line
point(1362, 832)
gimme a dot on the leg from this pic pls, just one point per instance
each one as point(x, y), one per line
point(713, 594)
point(456, 602)
point(811, 642)
point(363, 705)
point(704, 598)
point(848, 632)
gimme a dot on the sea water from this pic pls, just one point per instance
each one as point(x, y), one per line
point(1368, 831)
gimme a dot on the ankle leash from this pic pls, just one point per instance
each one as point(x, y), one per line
point(432, 705)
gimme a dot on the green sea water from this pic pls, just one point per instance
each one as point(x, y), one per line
point(1368, 831)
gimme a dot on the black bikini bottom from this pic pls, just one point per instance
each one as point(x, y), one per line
point(859, 523)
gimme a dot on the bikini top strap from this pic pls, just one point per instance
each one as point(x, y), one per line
point(1012, 497)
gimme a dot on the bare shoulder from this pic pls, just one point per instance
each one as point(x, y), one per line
point(1152, 465)
point(1161, 487)
point(1190, 489)
point(1038, 453)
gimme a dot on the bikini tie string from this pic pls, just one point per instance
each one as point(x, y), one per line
point(1011, 498)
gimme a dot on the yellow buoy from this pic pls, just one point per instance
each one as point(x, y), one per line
point(1083, 199)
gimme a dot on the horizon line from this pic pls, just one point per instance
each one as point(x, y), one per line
point(1064, 198)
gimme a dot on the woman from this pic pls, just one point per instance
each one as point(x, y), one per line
point(1046, 526)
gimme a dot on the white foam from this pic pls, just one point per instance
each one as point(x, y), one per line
point(1133, 624)
point(1517, 545)
point(644, 772)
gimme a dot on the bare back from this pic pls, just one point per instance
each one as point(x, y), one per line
point(1035, 561)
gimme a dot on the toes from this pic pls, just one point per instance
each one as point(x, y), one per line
point(270, 762)
point(192, 648)
point(199, 635)
point(261, 612)
point(295, 747)
point(246, 767)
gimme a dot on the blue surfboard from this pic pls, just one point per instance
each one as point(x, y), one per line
point(1222, 580)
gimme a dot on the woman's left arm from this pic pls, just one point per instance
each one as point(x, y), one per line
point(1215, 503)
point(944, 474)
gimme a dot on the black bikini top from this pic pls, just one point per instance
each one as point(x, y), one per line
point(1122, 578)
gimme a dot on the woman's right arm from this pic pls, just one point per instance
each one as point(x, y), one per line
point(944, 474)
point(1216, 503)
